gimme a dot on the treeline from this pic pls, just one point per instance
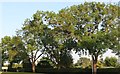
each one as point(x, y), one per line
point(93, 27)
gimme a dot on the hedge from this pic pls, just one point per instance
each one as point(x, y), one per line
point(78, 71)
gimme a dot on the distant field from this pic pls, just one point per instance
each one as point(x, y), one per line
point(19, 73)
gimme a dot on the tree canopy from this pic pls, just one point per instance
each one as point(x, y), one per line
point(89, 26)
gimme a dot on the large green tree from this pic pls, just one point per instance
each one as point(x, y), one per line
point(97, 23)
point(32, 33)
point(90, 25)
point(39, 37)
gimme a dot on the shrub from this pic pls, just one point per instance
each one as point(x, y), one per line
point(110, 62)
point(27, 66)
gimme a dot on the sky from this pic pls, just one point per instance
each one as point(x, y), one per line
point(14, 12)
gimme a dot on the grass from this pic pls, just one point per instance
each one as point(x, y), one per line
point(19, 73)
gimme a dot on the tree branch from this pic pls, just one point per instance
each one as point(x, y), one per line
point(39, 56)
point(36, 53)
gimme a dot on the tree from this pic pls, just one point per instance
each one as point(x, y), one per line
point(4, 44)
point(38, 38)
point(12, 48)
point(31, 34)
point(96, 26)
point(90, 25)
point(58, 50)
point(57, 43)
point(0, 58)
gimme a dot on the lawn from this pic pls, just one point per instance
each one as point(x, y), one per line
point(19, 73)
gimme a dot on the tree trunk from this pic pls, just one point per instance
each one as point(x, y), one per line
point(94, 65)
point(0, 60)
point(33, 67)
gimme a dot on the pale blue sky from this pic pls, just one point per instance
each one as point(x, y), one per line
point(14, 12)
point(56, 0)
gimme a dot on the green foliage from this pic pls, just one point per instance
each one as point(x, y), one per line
point(118, 65)
point(5, 46)
point(90, 26)
point(66, 60)
point(111, 62)
point(100, 64)
point(44, 63)
point(115, 40)
point(16, 65)
point(83, 62)
point(27, 66)
point(11, 47)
